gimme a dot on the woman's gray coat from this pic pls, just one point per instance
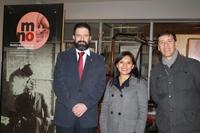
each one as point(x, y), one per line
point(124, 111)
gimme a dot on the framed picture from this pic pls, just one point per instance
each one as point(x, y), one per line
point(193, 48)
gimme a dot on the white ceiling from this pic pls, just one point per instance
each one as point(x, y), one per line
point(46, 1)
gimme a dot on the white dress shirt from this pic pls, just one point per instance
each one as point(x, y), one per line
point(87, 52)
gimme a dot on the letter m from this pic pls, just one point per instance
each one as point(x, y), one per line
point(27, 26)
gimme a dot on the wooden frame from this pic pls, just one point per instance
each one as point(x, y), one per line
point(193, 48)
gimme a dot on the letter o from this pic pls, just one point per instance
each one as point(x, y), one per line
point(29, 36)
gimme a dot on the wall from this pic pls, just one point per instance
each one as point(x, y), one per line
point(136, 9)
point(125, 9)
point(182, 41)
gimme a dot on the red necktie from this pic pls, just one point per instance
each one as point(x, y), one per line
point(80, 64)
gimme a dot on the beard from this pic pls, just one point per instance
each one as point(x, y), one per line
point(81, 45)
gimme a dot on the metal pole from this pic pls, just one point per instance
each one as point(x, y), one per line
point(100, 38)
point(150, 55)
point(112, 56)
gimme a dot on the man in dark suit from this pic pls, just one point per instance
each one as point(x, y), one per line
point(32, 111)
point(79, 82)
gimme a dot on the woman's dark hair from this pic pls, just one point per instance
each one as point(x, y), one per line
point(122, 55)
point(82, 25)
point(116, 72)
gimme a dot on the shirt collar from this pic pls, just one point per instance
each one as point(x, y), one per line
point(87, 51)
point(171, 61)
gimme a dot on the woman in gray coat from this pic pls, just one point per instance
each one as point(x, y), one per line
point(124, 107)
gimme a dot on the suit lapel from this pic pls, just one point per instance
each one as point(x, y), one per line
point(72, 61)
point(88, 64)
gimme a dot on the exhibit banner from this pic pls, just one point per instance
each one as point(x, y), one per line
point(32, 37)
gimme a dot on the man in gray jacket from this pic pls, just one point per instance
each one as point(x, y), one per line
point(175, 88)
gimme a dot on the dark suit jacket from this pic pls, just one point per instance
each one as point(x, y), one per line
point(70, 90)
point(37, 107)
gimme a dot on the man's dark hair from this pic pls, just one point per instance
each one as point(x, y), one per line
point(82, 25)
point(167, 33)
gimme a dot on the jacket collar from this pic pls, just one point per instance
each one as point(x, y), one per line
point(117, 84)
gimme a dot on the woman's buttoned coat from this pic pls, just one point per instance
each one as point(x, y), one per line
point(125, 110)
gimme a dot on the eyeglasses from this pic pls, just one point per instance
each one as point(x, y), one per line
point(165, 42)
